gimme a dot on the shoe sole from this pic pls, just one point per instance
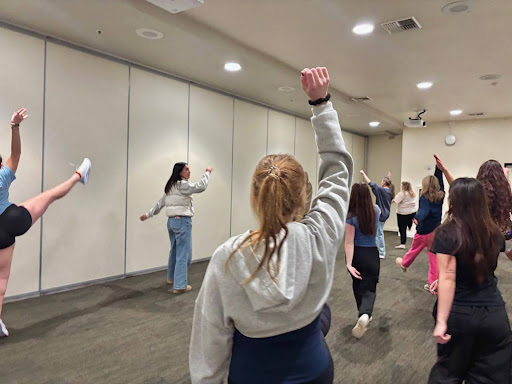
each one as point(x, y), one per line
point(85, 178)
point(359, 330)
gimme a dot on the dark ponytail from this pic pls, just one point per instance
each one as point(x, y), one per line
point(175, 177)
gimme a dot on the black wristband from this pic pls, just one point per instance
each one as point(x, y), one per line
point(320, 101)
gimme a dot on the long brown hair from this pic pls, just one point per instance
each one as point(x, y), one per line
point(471, 227)
point(278, 195)
point(431, 189)
point(388, 183)
point(407, 187)
point(361, 206)
point(497, 191)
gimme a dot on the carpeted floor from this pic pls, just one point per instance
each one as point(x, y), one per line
point(135, 331)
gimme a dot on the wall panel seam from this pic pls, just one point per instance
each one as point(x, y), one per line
point(127, 168)
point(42, 167)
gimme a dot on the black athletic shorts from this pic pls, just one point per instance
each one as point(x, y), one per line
point(14, 221)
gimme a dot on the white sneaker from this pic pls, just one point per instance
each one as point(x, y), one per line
point(361, 326)
point(401, 246)
point(382, 256)
point(3, 331)
point(83, 170)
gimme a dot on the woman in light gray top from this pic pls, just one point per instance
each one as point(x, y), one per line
point(256, 318)
point(179, 209)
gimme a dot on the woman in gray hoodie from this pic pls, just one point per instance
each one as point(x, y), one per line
point(256, 318)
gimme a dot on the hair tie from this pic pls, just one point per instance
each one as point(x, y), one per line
point(273, 174)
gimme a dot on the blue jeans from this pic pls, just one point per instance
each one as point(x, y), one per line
point(180, 257)
point(381, 245)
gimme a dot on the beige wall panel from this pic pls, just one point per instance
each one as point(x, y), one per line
point(383, 157)
point(249, 146)
point(348, 138)
point(158, 139)
point(211, 138)
point(358, 154)
point(305, 149)
point(281, 133)
point(86, 115)
point(21, 82)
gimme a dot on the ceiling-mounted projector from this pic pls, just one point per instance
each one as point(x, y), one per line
point(176, 6)
point(416, 123)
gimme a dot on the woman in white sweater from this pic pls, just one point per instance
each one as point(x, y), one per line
point(405, 200)
point(256, 318)
point(178, 202)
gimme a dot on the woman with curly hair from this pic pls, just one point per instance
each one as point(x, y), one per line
point(498, 195)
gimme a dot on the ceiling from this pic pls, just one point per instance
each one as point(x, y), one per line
point(274, 39)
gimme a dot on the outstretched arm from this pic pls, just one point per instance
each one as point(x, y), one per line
point(446, 173)
point(14, 158)
point(365, 177)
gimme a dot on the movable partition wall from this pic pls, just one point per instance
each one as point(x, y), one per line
point(134, 124)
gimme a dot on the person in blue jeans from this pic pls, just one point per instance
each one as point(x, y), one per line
point(384, 195)
point(179, 209)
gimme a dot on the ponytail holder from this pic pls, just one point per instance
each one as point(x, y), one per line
point(273, 174)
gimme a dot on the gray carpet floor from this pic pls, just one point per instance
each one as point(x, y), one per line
point(135, 331)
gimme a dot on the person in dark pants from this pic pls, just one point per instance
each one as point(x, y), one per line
point(361, 253)
point(472, 327)
point(405, 200)
point(257, 318)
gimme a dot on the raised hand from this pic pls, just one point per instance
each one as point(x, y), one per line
point(389, 175)
point(315, 82)
point(439, 163)
point(18, 117)
point(209, 169)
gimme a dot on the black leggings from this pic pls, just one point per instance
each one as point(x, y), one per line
point(404, 222)
point(366, 261)
point(14, 221)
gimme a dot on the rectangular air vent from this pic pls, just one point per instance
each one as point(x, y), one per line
point(358, 99)
point(176, 6)
point(476, 114)
point(398, 26)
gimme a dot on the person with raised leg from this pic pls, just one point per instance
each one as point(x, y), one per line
point(17, 220)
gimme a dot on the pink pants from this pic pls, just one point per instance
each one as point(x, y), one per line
point(418, 244)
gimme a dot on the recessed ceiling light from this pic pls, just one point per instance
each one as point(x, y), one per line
point(286, 89)
point(363, 29)
point(374, 124)
point(150, 34)
point(232, 67)
point(456, 112)
point(494, 76)
point(424, 85)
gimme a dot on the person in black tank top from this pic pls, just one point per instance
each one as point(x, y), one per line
point(472, 327)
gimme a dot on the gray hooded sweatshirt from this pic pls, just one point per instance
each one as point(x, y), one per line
point(262, 307)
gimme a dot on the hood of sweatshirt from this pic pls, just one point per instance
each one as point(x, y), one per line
point(290, 283)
